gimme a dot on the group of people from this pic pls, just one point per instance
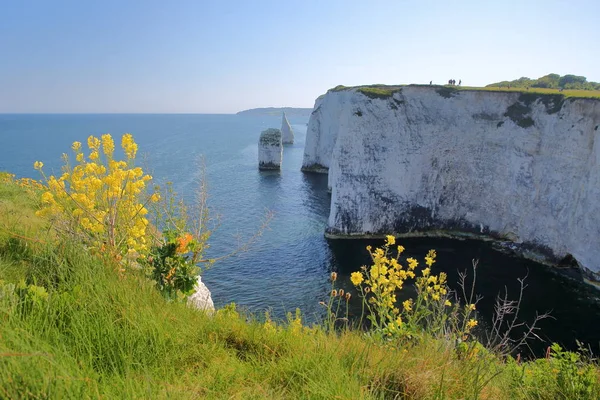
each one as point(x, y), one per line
point(450, 82)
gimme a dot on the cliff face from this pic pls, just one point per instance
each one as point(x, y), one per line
point(519, 167)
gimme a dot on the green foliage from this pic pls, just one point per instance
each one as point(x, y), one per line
point(371, 91)
point(173, 268)
point(551, 81)
point(590, 90)
point(379, 92)
point(575, 378)
point(562, 375)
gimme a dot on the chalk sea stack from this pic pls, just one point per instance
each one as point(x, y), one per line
point(270, 150)
point(287, 133)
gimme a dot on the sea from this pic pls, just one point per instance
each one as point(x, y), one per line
point(285, 264)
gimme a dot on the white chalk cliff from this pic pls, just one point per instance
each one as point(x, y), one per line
point(270, 149)
point(287, 134)
point(424, 160)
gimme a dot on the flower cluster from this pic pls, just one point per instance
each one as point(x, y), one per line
point(431, 286)
point(29, 184)
point(100, 198)
point(381, 281)
point(429, 311)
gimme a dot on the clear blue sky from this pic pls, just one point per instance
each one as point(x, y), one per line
point(225, 56)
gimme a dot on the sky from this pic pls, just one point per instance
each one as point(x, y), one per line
point(225, 56)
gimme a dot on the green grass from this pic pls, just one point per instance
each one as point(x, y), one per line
point(583, 94)
point(385, 91)
point(94, 333)
point(372, 91)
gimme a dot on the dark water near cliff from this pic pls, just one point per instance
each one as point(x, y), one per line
point(289, 265)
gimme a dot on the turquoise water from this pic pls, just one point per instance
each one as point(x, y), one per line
point(289, 265)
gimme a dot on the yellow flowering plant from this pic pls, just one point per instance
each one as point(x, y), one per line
point(100, 199)
point(379, 284)
point(429, 311)
point(105, 203)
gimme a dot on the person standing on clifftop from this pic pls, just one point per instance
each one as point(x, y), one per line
point(459, 82)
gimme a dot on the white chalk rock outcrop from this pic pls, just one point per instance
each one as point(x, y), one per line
point(201, 299)
point(287, 134)
point(517, 167)
point(322, 129)
point(270, 149)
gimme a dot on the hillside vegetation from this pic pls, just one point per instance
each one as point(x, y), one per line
point(78, 323)
point(551, 81)
point(387, 91)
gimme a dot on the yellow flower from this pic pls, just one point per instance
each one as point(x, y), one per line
point(155, 197)
point(333, 276)
point(471, 323)
point(76, 146)
point(391, 240)
point(108, 145)
point(47, 197)
point(400, 249)
point(447, 303)
point(93, 143)
point(407, 305)
point(129, 145)
point(471, 307)
point(356, 278)
point(430, 258)
point(38, 165)
point(412, 263)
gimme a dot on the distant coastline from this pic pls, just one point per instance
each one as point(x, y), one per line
point(290, 111)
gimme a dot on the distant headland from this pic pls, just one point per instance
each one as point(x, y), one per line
point(290, 111)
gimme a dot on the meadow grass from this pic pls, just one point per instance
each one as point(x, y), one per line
point(385, 91)
point(77, 328)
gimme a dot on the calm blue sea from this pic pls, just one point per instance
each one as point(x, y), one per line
point(289, 266)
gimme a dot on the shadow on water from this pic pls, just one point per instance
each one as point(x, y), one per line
point(269, 181)
point(317, 199)
point(575, 307)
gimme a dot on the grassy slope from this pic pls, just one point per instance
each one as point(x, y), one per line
point(383, 91)
point(102, 335)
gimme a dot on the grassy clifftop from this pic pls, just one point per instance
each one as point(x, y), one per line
point(74, 326)
point(386, 91)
